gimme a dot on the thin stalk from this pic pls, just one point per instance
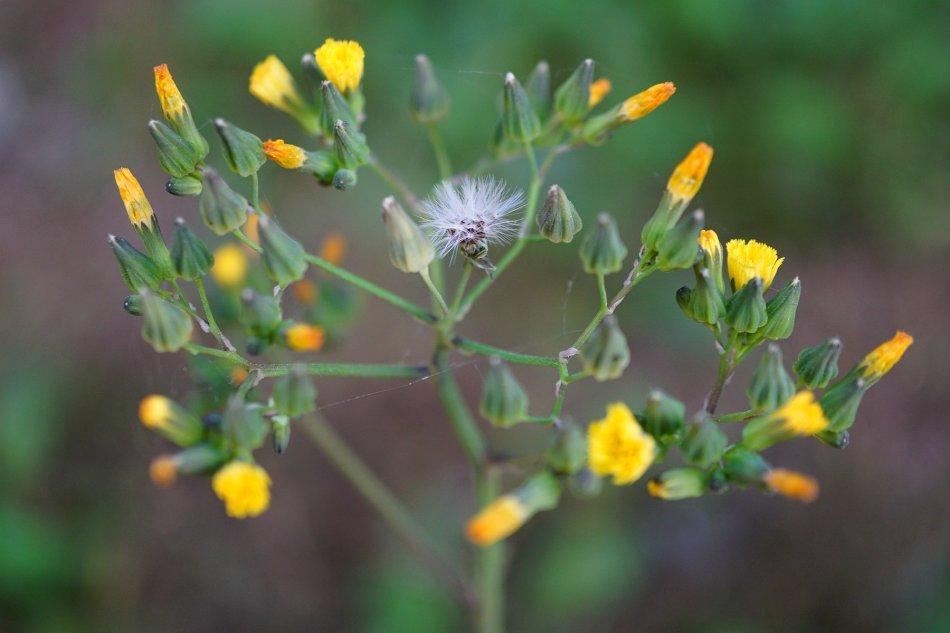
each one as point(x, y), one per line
point(434, 291)
point(196, 349)
point(602, 291)
point(738, 416)
point(244, 239)
point(346, 370)
point(533, 190)
point(727, 365)
point(395, 182)
point(460, 289)
point(206, 306)
point(466, 428)
point(468, 345)
point(438, 148)
point(490, 570)
point(256, 192)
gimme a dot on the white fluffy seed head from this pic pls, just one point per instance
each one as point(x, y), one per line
point(472, 211)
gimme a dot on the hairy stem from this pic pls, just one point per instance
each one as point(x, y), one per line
point(468, 345)
point(346, 370)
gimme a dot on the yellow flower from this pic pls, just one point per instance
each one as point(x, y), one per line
point(136, 204)
point(688, 176)
point(618, 446)
point(801, 414)
point(244, 488)
point(230, 265)
point(643, 103)
point(341, 61)
point(598, 90)
point(284, 154)
point(709, 242)
point(791, 484)
point(883, 358)
point(333, 248)
point(303, 337)
point(272, 84)
point(156, 411)
point(498, 520)
point(173, 104)
point(748, 259)
point(163, 470)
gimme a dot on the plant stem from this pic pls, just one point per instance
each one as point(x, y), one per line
point(346, 370)
point(468, 345)
point(234, 357)
point(395, 182)
point(602, 291)
point(738, 416)
point(533, 190)
point(206, 306)
point(491, 563)
point(256, 192)
point(436, 295)
point(438, 148)
point(466, 428)
point(244, 239)
point(460, 289)
point(727, 365)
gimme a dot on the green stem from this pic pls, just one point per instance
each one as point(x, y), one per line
point(491, 563)
point(393, 181)
point(206, 306)
point(466, 428)
point(533, 190)
point(602, 291)
point(438, 148)
point(244, 239)
point(460, 289)
point(234, 357)
point(738, 416)
point(468, 345)
point(256, 192)
point(436, 295)
point(727, 365)
point(344, 370)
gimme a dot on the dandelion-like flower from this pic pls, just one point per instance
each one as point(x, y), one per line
point(470, 216)
point(244, 488)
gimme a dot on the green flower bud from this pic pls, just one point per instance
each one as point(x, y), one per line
point(138, 271)
point(322, 164)
point(175, 155)
point(260, 313)
point(538, 88)
point(569, 453)
point(840, 403)
point(166, 326)
point(350, 146)
point(781, 310)
point(585, 484)
point(558, 220)
point(678, 483)
point(602, 251)
point(519, 119)
point(314, 78)
point(177, 112)
point(283, 256)
point(133, 305)
point(667, 214)
point(280, 433)
point(817, 366)
point(500, 145)
point(191, 257)
point(704, 442)
point(605, 354)
point(834, 439)
point(705, 304)
point(242, 149)
point(344, 179)
point(428, 99)
point(745, 310)
point(678, 247)
point(683, 295)
point(294, 394)
point(664, 415)
point(771, 385)
point(744, 467)
point(504, 402)
point(221, 208)
point(410, 250)
point(334, 108)
point(199, 459)
point(170, 420)
point(539, 492)
point(189, 185)
point(243, 425)
point(572, 99)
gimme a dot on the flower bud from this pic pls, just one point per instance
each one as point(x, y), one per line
point(175, 155)
point(241, 148)
point(771, 385)
point(410, 250)
point(602, 251)
point(883, 357)
point(712, 257)
point(678, 246)
point(303, 337)
point(280, 433)
point(428, 99)
point(704, 442)
point(585, 484)
point(260, 313)
point(334, 108)
point(144, 221)
point(683, 184)
point(294, 394)
point(834, 439)
point(133, 305)
point(504, 402)
point(678, 483)
point(568, 455)
point(781, 310)
point(840, 403)
point(502, 517)
point(165, 326)
point(189, 185)
point(244, 487)
point(745, 310)
point(177, 112)
point(350, 146)
point(572, 98)
point(200, 458)
point(791, 484)
point(704, 303)
point(817, 366)
point(518, 118)
point(599, 89)
point(273, 85)
point(605, 354)
point(538, 89)
point(598, 128)
point(221, 208)
point(664, 415)
point(322, 164)
point(191, 257)
point(800, 415)
point(558, 220)
point(170, 420)
point(744, 467)
point(137, 269)
point(284, 154)
point(243, 425)
point(344, 179)
point(283, 257)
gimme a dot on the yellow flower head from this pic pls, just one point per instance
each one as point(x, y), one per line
point(748, 259)
point(688, 176)
point(230, 265)
point(333, 248)
point(498, 520)
point(136, 204)
point(801, 414)
point(709, 242)
point(163, 470)
point(303, 337)
point(244, 488)
point(284, 154)
point(272, 84)
point(156, 411)
point(883, 357)
point(598, 90)
point(341, 61)
point(173, 104)
point(643, 103)
point(791, 484)
point(618, 446)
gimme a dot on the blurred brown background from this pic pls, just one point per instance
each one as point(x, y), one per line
point(830, 127)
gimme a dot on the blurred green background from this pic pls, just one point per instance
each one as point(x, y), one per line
point(829, 121)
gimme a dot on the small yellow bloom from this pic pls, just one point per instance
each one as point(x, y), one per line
point(284, 154)
point(801, 414)
point(643, 103)
point(244, 488)
point(883, 358)
point(341, 61)
point(333, 248)
point(230, 265)
point(748, 259)
point(238, 375)
point(618, 446)
point(136, 204)
point(156, 411)
point(163, 470)
point(173, 104)
point(791, 484)
point(273, 85)
point(498, 520)
point(688, 176)
point(598, 90)
point(657, 489)
point(305, 291)
point(709, 242)
point(303, 337)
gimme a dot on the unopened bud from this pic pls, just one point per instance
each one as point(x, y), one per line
point(538, 88)
point(191, 257)
point(280, 433)
point(840, 403)
point(678, 247)
point(817, 366)
point(138, 271)
point(428, 99)
point(678, 483)
point(704, 442)
point(745, 310)
point(334, 108)
point(518, 117)
point(283, 256)
point(294, 394)
point(602, 251)
point(241, 148)
point(572, 98)
point(170, 420)
point(260, 313)
point(559, 221)
point(504, 401)
point(605, 354)
point(221, 208)
point(344, 179)
point(176, 156)
point(410, 250)
point(771, 385)
point(243, 424)
point(568, 454)
point(585, 484)
point(744, 467)
point(165, 326)
point(189, 185)
point(350, 146)
point(664, 415)
point(133, 305)
point(780, 311)
point(177, 112)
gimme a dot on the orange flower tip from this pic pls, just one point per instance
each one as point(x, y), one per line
point(656, 489)
point(793, 485)
point(284, 154)
point(133, 198)
point(154, 410)
point(643, 103)
point(173, 104)
point(598, 90)
point(333, 248)
point(163, 471)
point(688, 176)
point(238, 375)
point(497, 521)
point(883, 358)
point(303, 337)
